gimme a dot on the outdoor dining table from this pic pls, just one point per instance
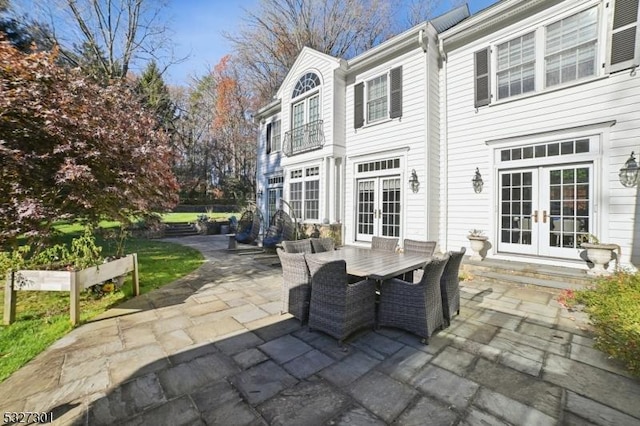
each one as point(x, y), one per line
point(375, 264)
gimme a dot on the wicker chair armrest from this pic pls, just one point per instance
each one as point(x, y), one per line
point(398, 281)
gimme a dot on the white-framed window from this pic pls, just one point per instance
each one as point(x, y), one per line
point(304, 193)
point(306, 106)
point(555, 53)
point(516, 66)
point(274, 139)
point(276, 135)
point(571, 48)
point(305, 118)
point(378, 98)
point(377, 95)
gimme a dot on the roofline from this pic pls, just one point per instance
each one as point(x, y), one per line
point(312, 51)
point(491, 19)
point(267, 110)
point(393, 44)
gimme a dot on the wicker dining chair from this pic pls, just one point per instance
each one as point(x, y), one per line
point(420, 247)
point(320, 245)
point(296, 284)
point(337, 307)
point(423, 248)
point(383, 243)
point(299, 246)
point(416, 308)
point(450, 285)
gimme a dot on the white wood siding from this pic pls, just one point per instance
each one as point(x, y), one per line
point(607, 97)
point(405, 138)
point(266, 164)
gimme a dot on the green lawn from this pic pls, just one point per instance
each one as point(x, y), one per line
point(43, 317)
point(192, 217)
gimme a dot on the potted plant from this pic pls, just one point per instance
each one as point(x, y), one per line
point(600, 254)
point(478, 242)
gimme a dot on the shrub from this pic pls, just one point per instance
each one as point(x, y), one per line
point(613, 305)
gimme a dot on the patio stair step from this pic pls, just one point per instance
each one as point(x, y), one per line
point(526, 273)
point(180, 229)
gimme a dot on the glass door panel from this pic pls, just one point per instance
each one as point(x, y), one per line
point(567, 197)
point(545, 211)
point(365, 209)
point(390, 207)
point(378, 208)
point(517, 197)
point(297, 125)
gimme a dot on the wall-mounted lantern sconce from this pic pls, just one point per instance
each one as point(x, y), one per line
point(477, 182)
point(629, 173)
point(414, 182)
point(259, 194)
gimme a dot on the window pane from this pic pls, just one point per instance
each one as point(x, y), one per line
point(311, 199)
point(582, 146)
point(571, 48)
point(516, 66)
point(527, 152)
point(377, 98)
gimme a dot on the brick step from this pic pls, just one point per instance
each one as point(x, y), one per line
point(526, 273)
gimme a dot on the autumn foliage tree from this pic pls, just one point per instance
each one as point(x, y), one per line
point(71, 149)
point(234, 130)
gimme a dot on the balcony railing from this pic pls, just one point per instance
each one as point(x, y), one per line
point(304, 138)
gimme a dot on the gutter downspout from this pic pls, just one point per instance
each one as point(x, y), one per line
point(444, 138)
point(424, 44)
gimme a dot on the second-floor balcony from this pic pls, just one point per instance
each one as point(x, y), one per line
point(304, 138)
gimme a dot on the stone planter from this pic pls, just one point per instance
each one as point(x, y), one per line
point(600, 255)
point(478, 244)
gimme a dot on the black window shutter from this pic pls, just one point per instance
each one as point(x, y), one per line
point(624, 35)
point(358, 106)
point(269, 138)
point(396, 93)
point(482, 78)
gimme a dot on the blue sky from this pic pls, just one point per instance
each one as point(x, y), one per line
point(198, 26)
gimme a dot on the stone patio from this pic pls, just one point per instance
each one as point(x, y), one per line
point(212, 348)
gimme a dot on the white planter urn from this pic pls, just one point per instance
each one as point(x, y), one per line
point(599, 255)
point(477, 245)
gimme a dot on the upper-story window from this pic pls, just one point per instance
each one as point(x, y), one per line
point(306, 116)
point(378, 98)
point(571, 48)
point(557, 53)
point(307, 82)
point(274, 139)
point(516, 66)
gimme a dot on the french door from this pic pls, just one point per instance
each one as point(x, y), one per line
point(378, 207)
point(545, 211)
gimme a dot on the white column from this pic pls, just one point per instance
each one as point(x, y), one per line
point(332, 190)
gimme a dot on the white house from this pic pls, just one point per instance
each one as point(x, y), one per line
point(543, 97)
point(539, 97)
point(341, 139)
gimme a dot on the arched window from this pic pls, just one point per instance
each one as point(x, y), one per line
point(307, 82)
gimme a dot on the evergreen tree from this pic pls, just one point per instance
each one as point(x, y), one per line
point(155, 95)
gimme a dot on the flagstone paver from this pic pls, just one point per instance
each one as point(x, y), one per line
point(213, 348)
